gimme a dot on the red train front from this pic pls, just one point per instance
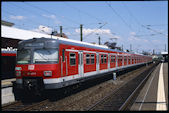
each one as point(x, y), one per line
point(37, 60)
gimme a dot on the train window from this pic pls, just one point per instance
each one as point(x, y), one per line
point(63, 54)
point(132, 59)
point(125, 58)
point(102, 59)
point(92, 58)
point(45, 55)
point(112, 59)
point(23, 56)
point(128, 58)
point(119, 58)
point(105, 58)
point(87, 59)
point(72, 59)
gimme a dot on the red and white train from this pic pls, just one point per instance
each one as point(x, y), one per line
point(55, 63)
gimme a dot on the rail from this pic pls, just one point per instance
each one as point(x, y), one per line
point(120, 98)
point(135, 92)
point(19, 106)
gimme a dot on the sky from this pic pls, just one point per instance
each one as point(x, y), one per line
point(141, 24)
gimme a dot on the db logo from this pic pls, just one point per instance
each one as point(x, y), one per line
point(31, 67)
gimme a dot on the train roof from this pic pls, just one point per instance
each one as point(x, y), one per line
point(85, 44)
point(76, 43)
point(15, 33)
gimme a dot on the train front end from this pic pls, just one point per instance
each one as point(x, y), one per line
point(37, 61)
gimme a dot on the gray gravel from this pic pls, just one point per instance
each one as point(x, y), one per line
point(85, 98)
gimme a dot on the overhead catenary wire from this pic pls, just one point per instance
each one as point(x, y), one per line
point(68, 19)
point(98, 19)
point(16, 15)
point(145, 35)
point(119, 16)
point(70, 6)
point(77, 9)
point(154, 30)
point(157, 25)
point(145, 26)
point(37, 22)
point(94, 31)
point(133, 17)
point(127, 9)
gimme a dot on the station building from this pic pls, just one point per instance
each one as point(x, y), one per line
point(165, 56)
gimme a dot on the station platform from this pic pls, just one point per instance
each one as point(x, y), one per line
point(154, 94)
point(7, 95)
point(7, 82)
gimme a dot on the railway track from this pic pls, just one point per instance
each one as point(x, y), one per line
point(70, 103)
point(121, 98)
point(84, 99)
point(20, 106)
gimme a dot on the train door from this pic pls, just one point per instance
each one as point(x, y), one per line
point(97, 62)
point(72, 63)
point(120, 60)
point(116, 61)
point(125, 60)
point(132, 60)
point(108, 61)
point(63, 63)
point(122, 64)
point(80, 64)
point(115, 65)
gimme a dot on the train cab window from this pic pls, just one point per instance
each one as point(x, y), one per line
point(87, 59)
point(45, 55)
point(92, 58)
point(112, 59)
point(63, 55)
point(72, 59)
point(23, 56)
point(105, 58)
point(102, 59)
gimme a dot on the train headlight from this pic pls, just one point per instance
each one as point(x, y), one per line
point(18, 73)
point(47, 73)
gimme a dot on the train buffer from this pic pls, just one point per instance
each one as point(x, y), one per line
point(154, 94)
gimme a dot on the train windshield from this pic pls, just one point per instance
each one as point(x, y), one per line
point(45, 55)
point(23, 56)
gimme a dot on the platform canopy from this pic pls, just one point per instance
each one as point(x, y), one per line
point(164, 53)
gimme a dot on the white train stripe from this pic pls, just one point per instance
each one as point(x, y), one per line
point(72, 77)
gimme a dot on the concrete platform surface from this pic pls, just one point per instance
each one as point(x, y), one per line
point(7, 82)
point(7, 95)
point(154, 95)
